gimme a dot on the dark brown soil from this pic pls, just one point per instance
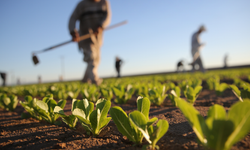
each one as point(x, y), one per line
point(17, 133)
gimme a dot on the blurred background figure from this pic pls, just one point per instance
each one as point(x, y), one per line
point(18, 81)
point(94, 16)
point(39, 79)
point(60, 78)
point(180, 66)
point(225, 61)
point(118, 63)
point(3, 76)
point(196, 48)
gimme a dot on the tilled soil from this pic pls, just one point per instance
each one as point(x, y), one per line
point(17, 133)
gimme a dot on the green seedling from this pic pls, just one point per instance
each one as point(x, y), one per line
point(220, 88)
point(29, 105)
point(32, 91)
point(143, 91)
point(174, 94)
point(45, 109)
point(158, 94)
point(243, 94)
point(91, 93)
point(212, 81)
point(70, 120)
point(157, 132)
point(61, 94)
point(92, 120)
point(74, 93)
point(122, 95)
point(107, 93)
point(137, 124)
point(192, 93)
point(219, 131)
point(8, 102)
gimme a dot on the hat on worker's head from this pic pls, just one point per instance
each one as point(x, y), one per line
point(202, 28)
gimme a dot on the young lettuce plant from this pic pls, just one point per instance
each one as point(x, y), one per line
point(91, 93)
point(45, 108)
point(192, 93)
point(122, 95)
point(29, 105)
point(107, 93)
point(243, 94)
point(158, 94)
point(220, 88)
point(93, 120)
point(212, 81)
point(174, 93)
point(142, 90)
point(137, 124)
point(70, 120)
point(8, 102)
point(74, 93)
point(219, 131)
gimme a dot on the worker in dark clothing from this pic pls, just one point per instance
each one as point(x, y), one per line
point(180, 66)
point(118, 63)
point(3, 76)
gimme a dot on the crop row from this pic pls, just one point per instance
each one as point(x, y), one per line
point(220, 130)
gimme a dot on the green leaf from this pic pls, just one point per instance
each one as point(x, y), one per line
point(61, 103)
point(121, 120)
point(6, 101)
point(95, 120)
point(217, 112)
point(197, 91)
point(173, 96)
point(140, 122)
point(74, 104)
point(42, 105)
point(151, 121)
point(160, 129)
point(80, 114)
point(51, 104)
point(194, 118)
point(177, 91)
point(143, 105)
point(236, 91)
point(239, 114)
point(28, 99)
point(60, 111)
point(217, 132)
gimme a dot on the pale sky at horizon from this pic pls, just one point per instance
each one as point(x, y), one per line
point(157, 36)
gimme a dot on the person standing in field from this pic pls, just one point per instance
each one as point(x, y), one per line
point(118, 63)
point(3, 76)
point(196, 48)
point(225, 61)
point(94, 16)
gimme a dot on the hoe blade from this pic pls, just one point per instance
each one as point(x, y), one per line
point(35, 59)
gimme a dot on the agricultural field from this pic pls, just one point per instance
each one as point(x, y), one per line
point(172, 111)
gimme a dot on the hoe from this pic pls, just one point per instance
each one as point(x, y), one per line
point(86, 36)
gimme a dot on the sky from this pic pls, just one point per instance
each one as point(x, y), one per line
point(157, 36)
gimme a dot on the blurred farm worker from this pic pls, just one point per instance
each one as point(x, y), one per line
point(225, 61)
point(3, 76)
point(180, 66)
point(196, 48)
point(118, 63)
point(94, 16)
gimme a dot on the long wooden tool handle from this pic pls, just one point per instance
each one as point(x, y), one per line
point(83, 37)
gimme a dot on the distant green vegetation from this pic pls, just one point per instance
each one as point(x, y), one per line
point(91, 105)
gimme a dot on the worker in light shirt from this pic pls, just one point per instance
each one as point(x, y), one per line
point(196, 48)
point(94, 16)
